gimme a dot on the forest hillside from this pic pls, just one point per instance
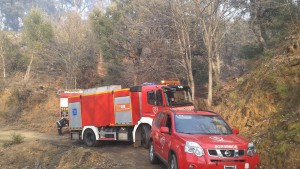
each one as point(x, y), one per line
point(240, 58)
point(264, 104)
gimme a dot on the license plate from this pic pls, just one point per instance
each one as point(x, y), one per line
point(229, 167)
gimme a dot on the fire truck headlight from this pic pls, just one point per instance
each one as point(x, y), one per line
point(193, 148)
point(251, 150)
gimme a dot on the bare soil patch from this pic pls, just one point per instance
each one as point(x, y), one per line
point(48, 150)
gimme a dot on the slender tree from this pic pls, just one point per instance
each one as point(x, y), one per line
point(37, 32)
point(3, 53)
point(75, 48)
point(182, 26)
point(212, 14)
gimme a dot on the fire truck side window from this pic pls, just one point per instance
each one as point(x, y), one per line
point(151, 97)
point(159, 100)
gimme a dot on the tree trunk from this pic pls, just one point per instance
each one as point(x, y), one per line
point(3, 63)
point(27, 74)
point(210, 76)
point(189, 61)
point(218, 71)
point(100, 66)
point(184, 44)
point(135, 79)
point(256, 11)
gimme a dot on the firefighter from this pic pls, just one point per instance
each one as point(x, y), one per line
point(60, 124)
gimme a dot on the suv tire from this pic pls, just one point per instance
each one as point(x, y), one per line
point(173, 164)
point(153, 158)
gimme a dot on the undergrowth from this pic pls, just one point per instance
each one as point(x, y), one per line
point(15, 139)
point(267, 110)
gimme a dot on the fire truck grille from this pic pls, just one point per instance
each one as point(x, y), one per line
point(226, 153)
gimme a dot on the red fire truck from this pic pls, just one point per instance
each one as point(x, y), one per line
point(111, 113)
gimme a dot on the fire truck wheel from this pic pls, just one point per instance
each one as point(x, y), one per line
point(173, 162)
point(153, 157)
point(146, 136)
point(89, 138)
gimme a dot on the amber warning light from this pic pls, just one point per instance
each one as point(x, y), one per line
point(168, 82)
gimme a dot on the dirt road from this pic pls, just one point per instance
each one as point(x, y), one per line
point(48, 150)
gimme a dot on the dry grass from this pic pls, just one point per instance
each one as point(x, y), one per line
point(264, 105)
point(15, 139)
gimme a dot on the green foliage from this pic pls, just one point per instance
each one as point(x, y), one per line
point(14, 60)
point(114, 75)
point(15, 139)
point(18, 62)
point(276, 23)
point(250, 51)
point(18, 98)
point(267, 55)
point(293, 131)
point(280, 135)
point(282, 89)
point(233, 95)
point(37, 29)
point(104, 27)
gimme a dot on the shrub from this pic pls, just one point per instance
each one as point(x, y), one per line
point(233, 95)
point(250, 51)
point(282, 89)
point(15, 139)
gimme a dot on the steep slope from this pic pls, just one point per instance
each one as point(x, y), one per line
point(33, 107)
point(265, 105)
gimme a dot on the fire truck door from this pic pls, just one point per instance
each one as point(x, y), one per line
point(154, 102)
point(75, 115)
point(123, 110)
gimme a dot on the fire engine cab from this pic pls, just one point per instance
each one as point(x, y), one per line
point(111, 113)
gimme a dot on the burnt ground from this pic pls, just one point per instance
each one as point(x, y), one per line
point(48, 150)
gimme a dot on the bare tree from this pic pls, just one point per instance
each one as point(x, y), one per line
point(211, 14)
point(2, 54)
point(37, 32)
point(256, 10)
point(182, 23)
point(72, 47)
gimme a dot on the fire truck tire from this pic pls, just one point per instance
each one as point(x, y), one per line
point(146, 129)
point(89, 138)
point(153, 158)
point(173, 164)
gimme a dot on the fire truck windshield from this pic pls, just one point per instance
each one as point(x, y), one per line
point(178, 95)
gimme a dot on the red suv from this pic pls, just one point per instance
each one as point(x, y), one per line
point(199, 139)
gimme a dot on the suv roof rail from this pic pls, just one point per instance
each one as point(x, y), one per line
point(210, 111)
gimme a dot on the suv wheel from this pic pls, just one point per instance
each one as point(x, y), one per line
point(152, 156)
point(173, 162)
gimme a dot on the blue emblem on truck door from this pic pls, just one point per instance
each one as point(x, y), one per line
point(74, 111)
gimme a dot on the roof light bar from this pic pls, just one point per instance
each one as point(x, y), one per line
point(169, 82)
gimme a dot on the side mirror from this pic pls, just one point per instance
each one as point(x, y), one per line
point(235, 131)
point(164, 130)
